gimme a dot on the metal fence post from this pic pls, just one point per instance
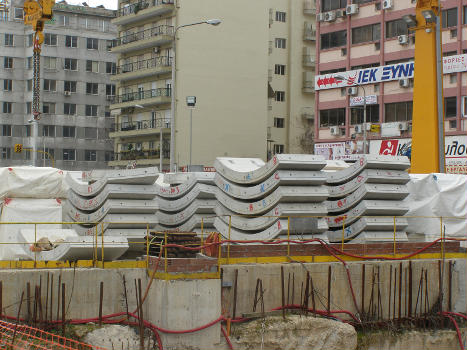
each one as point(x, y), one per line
point(228, 244)
point(102, 243)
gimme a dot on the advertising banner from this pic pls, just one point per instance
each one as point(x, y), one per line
point(348, 150)
point(358, 100)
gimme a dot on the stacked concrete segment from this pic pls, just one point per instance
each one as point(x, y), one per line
point(365, 199)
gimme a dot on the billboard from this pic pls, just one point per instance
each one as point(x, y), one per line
point(348, 150)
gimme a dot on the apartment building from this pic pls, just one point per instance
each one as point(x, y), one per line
point(76, 66)
point(368, 43)
point(252, 75)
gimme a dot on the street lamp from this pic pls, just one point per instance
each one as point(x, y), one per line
point(213, 22)
point(365, 150)
point(191, 103)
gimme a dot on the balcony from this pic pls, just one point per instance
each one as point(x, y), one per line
point(140, 128)
point(151, 67)
point(144, 98)
point(132, 11)
point(151, 37)
point(309, 61)
point(308, 82)
point(309, 35)
point(141, 157)
point(309, 8)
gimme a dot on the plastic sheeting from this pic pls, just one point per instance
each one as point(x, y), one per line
point(31, 182)
point(433, 196)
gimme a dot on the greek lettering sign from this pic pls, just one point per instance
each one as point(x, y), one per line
point(358, 100)
point(453, 64)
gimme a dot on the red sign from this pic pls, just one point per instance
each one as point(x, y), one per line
point(388, 147)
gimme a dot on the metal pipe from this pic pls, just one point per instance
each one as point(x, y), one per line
point(439, 88)
point(400, 290)
point(363, 291)
point(329, 288)
point(101, 298)
point(389, 298)
point(235, 294)
point(282, 292)
point(63, 309)
point(191, 136)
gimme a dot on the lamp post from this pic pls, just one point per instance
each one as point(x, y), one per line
point(191, 103)
point(365, 149)
point(213, 22)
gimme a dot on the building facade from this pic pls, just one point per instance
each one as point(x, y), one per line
point(252, 76)
point(76, 65)
point(364, 40)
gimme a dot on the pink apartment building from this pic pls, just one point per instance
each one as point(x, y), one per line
point(368, 44)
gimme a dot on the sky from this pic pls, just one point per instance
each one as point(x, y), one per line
point(109, 4)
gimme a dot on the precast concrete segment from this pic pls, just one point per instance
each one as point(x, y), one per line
point(180, 190)
point(282, 194)
point(112, 191)
point(367, 162)
point(128, 220)
point(380, 236)
point(198, 206)
point(174, 179)
point(278, 178)
point(199, 191)
point(367, 224)
point(368, 191)
point(248, 171)
point(368, 208)
point(140, 176)
point(194, 222)
point(279, 227)
point(111, 206)
point(369, 176)
point(282, 210)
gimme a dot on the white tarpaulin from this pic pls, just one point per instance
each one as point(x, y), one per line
point(32, 182)
point(23, 210)
point(437, 195)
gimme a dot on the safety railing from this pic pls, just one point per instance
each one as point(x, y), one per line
point(130, 7)
point(145, 64)
point(141, 125)
point(140, 154)
point(142, 95)
point(144, 34)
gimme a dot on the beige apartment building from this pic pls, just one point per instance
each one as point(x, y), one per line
point(252, 75)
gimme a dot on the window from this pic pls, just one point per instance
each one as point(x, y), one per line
point(464, 15)
point(280, 16)
point(29, 84)
point(398, 112)
point(69, 154)
point(8, 62)
point(363, 66)
point(69, 86)
point(90, 155)
point(50, 85)
point(7, 84)
point(92, 66)
point(92, 43)
point(91, 110)
point(50, 39)
point(71, 64)
point(449, 17)
point(71, 41)
point(453, 78)
point(278, 149)
point(280, 43)
point(362, 2)
point(109, 44)
point(279, 69)
point(329, 5)
point(372, 114)
point(90, 133)
point(49, 62)
point(28, 107)
point(69, 108)
point(278, 122)
point(48, 130)
point(18, 13)
point(6, 130)
point(6, 152)
point(110, 67)
point(8, 39)
point(50, 152)
point(110, 90)
point(450, 107)
point(367, 33)
point(334, 39)
point(48, 107)
point(92, 88)
point(331, 117)
point(109, 156)
point(63, 20)
point(68, 131)
point(396, 28)
point(280, 96)
point(7, 107)
point(27, 130)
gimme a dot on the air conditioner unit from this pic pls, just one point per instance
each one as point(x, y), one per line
point(387, 4)
point(157, 50)
point(405, 82)
point(320, 17)
point(352, 91)
point(67, 93)
point(351, 9)
point(358, 129)
point(340, 13)
point(403, 39)
point(334, 130)
point(403, 126)
point(330, 16)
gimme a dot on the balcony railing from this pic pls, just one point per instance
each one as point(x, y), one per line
point(145, 64)
point(141, 95)
point(128, 7)
point(143, 154)
point(141, 125)
point(144, 34)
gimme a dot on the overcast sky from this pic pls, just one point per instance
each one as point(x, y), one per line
point(109, 4)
